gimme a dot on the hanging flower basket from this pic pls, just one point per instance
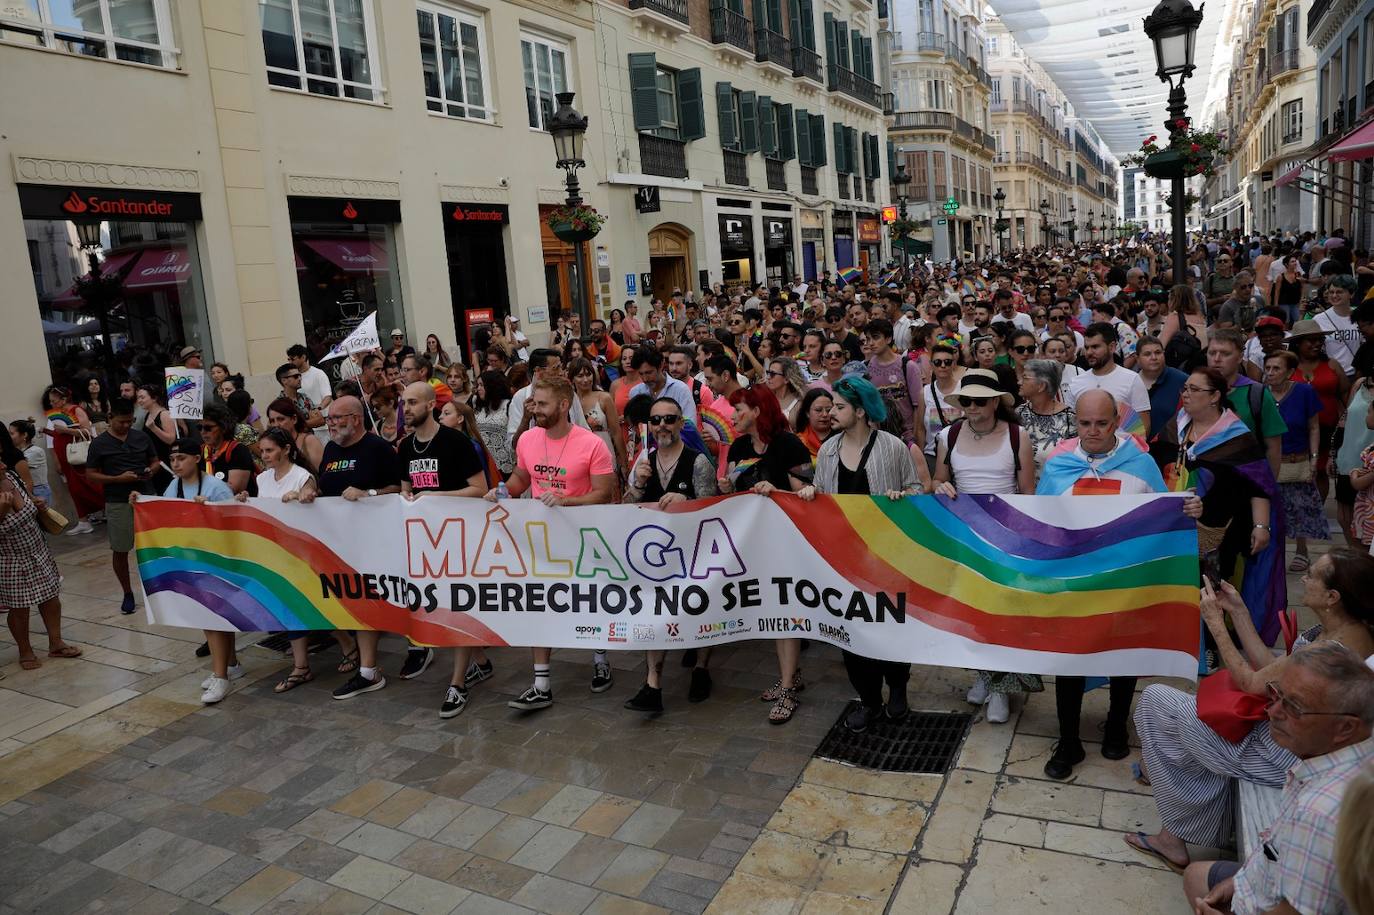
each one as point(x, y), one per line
point(575, 224)
point(901, 228)
point(1189, 152)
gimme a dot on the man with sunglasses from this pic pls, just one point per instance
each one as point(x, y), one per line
point(668, 474)
point(1242, 306)
point(1219, 283)
point(1321, 708)
point(1005, 307)
point(289, 377)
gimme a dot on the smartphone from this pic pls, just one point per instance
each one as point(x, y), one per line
point(1211, 571)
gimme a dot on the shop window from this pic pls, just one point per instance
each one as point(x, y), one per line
point(138, 31)
point(455, 67)
point(545, 64)
point(324, 47)
point(345, 272)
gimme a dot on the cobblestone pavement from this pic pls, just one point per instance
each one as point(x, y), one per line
point(119, 792)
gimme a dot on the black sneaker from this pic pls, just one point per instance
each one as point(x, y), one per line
point(647, 699)
point(476, 673)
point(357, 685)
point(417, 661)
point(689, 658)
point(896, 706)
point(859, 719)
point(455, 700)
point(700, 690)
point(1116, 744)
point(601, 678)
point(204, 650)
point(126, 607)
point(1066, 756)
point(532, 700)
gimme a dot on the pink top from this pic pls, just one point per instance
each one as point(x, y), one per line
point(563, 466)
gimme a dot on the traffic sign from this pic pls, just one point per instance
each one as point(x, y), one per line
point(942, 222)
point(951, 206)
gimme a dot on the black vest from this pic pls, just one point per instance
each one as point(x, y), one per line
point(679, 482)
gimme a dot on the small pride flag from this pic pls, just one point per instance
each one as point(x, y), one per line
point(850, 275)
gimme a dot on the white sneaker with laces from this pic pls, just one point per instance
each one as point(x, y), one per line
point(235, 673)
point(81, 527)
point(999, 708)
point(979, 693)
point(216, 691)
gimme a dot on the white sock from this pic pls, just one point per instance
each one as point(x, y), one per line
point(599, 657)
point(541, 677)
point(369, 673)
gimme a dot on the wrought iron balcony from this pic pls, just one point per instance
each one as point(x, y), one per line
point(965, 129)
point(889, 103)
point(732, 28)
point(989, 143)
point(673, 9)
point(772, 47)
point(1292, 136)
point(809, 183)
point(662, 156)
point(923, 120)
point(736, 168)
point(806, 63)
point(1283, 61)
point(931, 41)
point(852, 84)
point(776, 171)
point(1315, 14)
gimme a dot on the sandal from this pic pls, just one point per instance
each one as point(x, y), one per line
point(1299, 564)
point(294, 680)
point(66, 651)
point(30, 663)
point(772, 693)
point(1142, 844)
point(350, 661)
point(1138, 775)
point(782, 710)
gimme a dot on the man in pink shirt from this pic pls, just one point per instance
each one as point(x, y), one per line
point(630, 325)
point(560, 464)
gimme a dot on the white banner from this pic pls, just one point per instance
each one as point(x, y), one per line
point(185, 392)
point(363, 339)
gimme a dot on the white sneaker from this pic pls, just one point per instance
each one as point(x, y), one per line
point(216, 691)
point(979, 693)
point(999, 708)
point(80, 527)
point(235, 673)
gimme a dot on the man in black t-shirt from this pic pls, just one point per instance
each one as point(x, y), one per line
point(356, 465)
point(121, 460)
point(437, 461)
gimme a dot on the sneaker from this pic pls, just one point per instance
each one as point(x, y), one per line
point(126, 606)
point(999, 708)
point(235, 673)
point(858, 720)
point(1116, 744)
point(1066, 756)
point(979, 693)
point(689, 658)
point(532, 700)
point(476, 673)
point(896, 708)
point(601, 678)
point(80, 527)
point(417, 660)
point(700, 690)
point(647, 699)
point(215, 691)
point(357, 685)
point(455, 700)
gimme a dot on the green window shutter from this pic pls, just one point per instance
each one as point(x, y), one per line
point(803, 137)
point(868, 58)
point(787, 146)
point(856, 46)
point(808, 26)
point(831, 48)
point(851, 151)
point(841, 165)
point(817, 140)
point(768, 127)
point(691, 111)
point(891, 158)
point(794, 21)
point(749, 122)
point(842, 43)
point(760, 14)
point(725, 114)
point(863, 155)
point(736, 5)
point(644, 91)
point(877, 157)
point(774, 14)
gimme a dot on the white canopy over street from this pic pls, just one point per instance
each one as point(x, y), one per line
point(1097, 52)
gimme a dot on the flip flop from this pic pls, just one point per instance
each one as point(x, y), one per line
point(30, 663)
point(1299, 564)
point(1138, 775)
point(66, 651)
point(1142, 844)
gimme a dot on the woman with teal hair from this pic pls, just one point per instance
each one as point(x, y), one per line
point(863, 460)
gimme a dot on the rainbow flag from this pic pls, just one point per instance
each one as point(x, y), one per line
point(1132, 423)
point(849, 275)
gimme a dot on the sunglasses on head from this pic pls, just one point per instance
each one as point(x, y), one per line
point(974, 401)
point(663, 420)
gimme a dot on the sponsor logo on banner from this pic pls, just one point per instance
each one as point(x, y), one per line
point(784, 624)
point(587, 633)
point(837, 633)
point(617, 632)
point(708, 631)
point(674, 631)
point(644, 633)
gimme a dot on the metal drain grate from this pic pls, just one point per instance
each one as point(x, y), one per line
point(279, 642)
point(921, 742)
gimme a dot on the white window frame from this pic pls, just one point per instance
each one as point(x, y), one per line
point(554, 44)
point(373, 56)
point(669, 127)
point(1291, 117)
point(476, 20)
point(51, 36)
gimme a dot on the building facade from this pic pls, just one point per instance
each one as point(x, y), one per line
point(940, 130)
point(1341, 33)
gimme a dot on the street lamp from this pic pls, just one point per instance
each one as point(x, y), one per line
point(1002, 224)
point(900, 180)
point(1073, 224)
point(568, 129)
point(97, 290)
point(1092, 229)
point(1172, 26)
point(1045, 220)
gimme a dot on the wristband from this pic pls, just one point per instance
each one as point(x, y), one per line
point(1264, 526)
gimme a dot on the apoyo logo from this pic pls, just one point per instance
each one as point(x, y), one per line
point(74, 204)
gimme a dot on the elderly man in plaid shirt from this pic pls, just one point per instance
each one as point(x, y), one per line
point(1321, 708)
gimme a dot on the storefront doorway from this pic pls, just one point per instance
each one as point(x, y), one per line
point(844, 239)
point(149, 300)
point(737, 248)
point(779, 258)
point(475, 242)
point(670, 260)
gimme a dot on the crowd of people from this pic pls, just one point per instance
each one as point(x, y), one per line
point(1064, 372)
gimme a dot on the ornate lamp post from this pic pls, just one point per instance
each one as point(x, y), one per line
point(568, 129)
point(1092, 229)
point(98, 291)
point(1002, 225)
point(1072, 224)
point(901, 180)
point(1172, 26)
point(1045, 221)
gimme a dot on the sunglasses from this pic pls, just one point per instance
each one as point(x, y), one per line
point(294, 374)
point(664, 420)
point(832, 354)
point(1023, 350)
point(772, 374)
point(940, 363)
point(974, 401)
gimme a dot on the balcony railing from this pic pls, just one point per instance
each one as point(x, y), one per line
point(806, 63)
point(965, 129)
point(809, 183)
point(924, 120)
point(772, 47)
point(662, 156)
point(1283, 61)
point(1315, 14)
point(776, 171)
point(673, 9)
point(989, 143)
point(931, 41)
point(730, 27)
point(736, 168)
point(889, 103)
point(998, 105)
point(843, 186)
point(1001, 158)
point(852, 84)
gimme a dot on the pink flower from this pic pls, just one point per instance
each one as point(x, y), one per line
point(1195, 148)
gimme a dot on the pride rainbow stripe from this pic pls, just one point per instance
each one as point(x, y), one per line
point(978, 568)
point(179, 550)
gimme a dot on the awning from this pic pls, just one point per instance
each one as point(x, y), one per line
point(114, 263)
point(361, 256)
point(1358, 144)
point(159, 268)
point(1289, 176)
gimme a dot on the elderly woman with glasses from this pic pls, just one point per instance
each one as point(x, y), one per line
point(1045, 418)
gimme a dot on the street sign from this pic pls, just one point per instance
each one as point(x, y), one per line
point(631, 284)
point(889, 214)
point(942, 222)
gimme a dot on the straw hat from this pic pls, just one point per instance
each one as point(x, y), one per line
point(982, 383)
point(1307, 328)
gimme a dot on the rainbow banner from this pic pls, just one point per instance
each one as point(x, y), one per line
point(1034, 584)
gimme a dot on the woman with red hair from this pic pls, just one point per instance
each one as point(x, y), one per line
point(763, 458)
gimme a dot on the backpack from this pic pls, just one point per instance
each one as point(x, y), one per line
point(1013, 433)
point(1256, 394)
point(1184, 350)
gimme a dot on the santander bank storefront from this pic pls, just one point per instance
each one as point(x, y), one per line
point(118, 279)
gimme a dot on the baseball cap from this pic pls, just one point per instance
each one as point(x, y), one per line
point(396, 332)
point(1272, 321)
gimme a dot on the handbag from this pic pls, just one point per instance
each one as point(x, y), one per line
point(1295, 472)
point(1229, 711)
point(76, 450)
point(52, 520)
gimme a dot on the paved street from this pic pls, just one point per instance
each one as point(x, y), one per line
point(120, 792)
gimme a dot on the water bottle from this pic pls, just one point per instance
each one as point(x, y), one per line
point(501, 491)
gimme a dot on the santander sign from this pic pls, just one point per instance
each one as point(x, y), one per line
point(114, 206)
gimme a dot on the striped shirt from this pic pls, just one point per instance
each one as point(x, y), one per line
point(1296, 859)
